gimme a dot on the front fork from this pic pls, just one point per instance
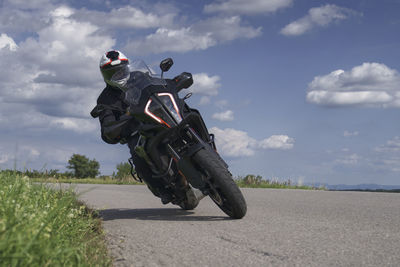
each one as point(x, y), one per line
point(183, 158)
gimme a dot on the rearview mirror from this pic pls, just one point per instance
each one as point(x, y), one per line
point(166, 64)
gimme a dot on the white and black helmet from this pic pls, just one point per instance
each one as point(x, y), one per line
point(114, 67)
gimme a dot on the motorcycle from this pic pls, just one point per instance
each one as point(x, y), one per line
point(175, 142)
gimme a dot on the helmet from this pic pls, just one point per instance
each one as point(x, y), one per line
point(114, 67)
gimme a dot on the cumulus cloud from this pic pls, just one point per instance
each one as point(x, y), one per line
point(125, 17)
point(236, 143)
point(19, 16)
point(317, 17)
point(224, 29)
point(205, 85)
point(23, 117)
point(7, 42)
point(248, 7)
point(66, 51)
point(54, 75)
point(199, 36)
point(370, 84)
point(75, 124)
point(283, 142)
point(204, 100)
point(223, 116)
point(172, 40)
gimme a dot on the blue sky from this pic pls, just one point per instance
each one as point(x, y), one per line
point(300, 90)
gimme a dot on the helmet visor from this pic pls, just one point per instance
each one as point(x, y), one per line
point(121, 76)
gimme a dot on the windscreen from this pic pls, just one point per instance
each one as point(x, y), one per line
point(141, 77)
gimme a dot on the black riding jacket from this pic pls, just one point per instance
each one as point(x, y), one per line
point(116, 125)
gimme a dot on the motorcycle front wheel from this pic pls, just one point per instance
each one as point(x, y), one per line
point(223, 189)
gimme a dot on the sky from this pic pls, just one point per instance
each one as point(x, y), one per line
point(292, 89)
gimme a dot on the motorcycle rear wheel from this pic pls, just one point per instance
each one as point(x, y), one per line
point(223, 189)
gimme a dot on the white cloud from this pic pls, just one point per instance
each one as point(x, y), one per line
point(21, 117)
point(54, 77)
point(224, 116)
point(32, 4)
point(223, 29)
point(76, 125)
point(199, 36)
point(236, 143)
point(283, 142)
point(349, 134)
point(370, 84)
point(6, 42)
point(126, 17)
point(53, 49)
point(19, 16)
point(204, 100)
point(248, 7)
point(172, 40)
point(205, 85)
point(317, 17)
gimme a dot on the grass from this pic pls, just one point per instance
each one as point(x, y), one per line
point(85, 180)
point(249, 181)
point(44, 227)
point(252, 181)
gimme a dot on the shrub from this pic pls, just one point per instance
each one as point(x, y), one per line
point(123, 170)
point(83, 167)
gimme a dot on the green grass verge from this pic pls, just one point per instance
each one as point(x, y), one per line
point(273, 185)
point(241, 182)
point(84, 181)
point(44, 227)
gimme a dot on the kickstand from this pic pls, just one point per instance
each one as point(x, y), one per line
point(133, 171)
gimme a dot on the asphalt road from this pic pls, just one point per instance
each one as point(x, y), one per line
point(281, 228)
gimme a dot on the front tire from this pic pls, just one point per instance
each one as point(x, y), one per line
point(223, 189)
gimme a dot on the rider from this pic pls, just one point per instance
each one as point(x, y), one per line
point(118, 126)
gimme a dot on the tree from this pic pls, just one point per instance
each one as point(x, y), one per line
point(83, 167)
point(123, 170)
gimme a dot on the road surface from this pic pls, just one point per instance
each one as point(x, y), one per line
point(281, 228)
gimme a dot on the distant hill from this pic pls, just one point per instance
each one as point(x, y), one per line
point(359, 187)
point(363, 187)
